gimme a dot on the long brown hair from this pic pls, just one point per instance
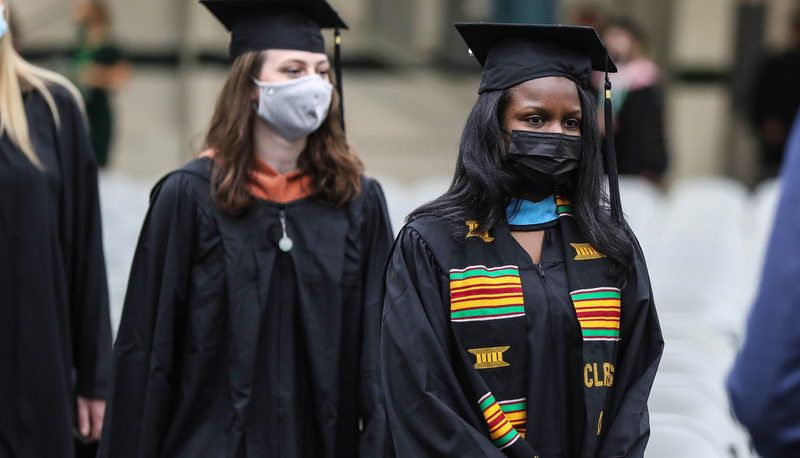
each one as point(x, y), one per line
point(333, 168)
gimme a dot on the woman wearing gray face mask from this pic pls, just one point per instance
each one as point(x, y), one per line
point(251, 323)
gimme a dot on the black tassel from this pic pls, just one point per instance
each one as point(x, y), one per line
point(337, 66)
point(611, 156)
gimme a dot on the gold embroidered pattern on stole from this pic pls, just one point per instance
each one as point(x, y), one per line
point(600, 423)
point(585, 251)
point(473, 226)
point(490, 357)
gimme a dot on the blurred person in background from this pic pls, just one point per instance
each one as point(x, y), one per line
point(776, 99)
point(518, 314)
point(252, 317)
point(764, 383)
point(638, 102)
point(55, 331)
point(101, 70)
point(530, 11)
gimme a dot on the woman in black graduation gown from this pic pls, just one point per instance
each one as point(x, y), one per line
point(55, 332)
point(639, 138)
point(518, 317)
point(251, 322)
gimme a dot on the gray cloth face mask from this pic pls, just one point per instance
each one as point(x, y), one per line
point(295, 108)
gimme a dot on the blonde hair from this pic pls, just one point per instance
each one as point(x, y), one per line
point(16, 75)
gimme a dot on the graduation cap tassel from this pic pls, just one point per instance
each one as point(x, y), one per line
point(337, 65)
point(611, 155)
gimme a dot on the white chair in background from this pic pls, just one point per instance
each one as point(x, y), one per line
point(720, 309)
point(673, 436)
point(705, 211)
point(709, 195)
point(762, 207)
point(641, 201)
point(701, 402)
point(671, 381)
point(695, 333)
point(712, 364)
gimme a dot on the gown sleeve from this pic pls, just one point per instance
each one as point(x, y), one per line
point(377, 236)
point(83, 244)
point(764, 383)
point(429, 412)
point(142, 378)
point(641, 345)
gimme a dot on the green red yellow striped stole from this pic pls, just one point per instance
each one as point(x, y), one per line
point(563, 206)
point(598, 312)
point(516, 411)
point(480, 293)
point(501, 430)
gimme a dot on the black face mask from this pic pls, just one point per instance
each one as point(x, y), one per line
point(544, 161)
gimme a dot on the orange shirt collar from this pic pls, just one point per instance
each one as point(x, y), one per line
point(266, 183)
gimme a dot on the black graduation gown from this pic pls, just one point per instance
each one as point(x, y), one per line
point(430, 402)
point(229, 347)
point(639, 139)
point(55, 331)
point(775, 96)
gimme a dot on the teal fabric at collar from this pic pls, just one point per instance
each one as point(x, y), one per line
point(531, 213)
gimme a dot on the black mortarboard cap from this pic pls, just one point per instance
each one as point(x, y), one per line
point(257, 25)
point(513, 53)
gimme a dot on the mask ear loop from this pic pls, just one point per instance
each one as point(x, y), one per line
point(337, 66)
point(611, 155)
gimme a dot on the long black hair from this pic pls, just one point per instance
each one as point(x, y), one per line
point(483, 182)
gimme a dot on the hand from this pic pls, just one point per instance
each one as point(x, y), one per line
point(106, 77)
point(774, 132)
point(90, 417)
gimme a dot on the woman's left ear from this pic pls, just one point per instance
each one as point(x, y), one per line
point(255, 94)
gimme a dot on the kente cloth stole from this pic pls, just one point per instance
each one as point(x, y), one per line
point(487, 316)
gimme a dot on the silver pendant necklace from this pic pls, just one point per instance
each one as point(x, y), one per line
point(285, 243)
